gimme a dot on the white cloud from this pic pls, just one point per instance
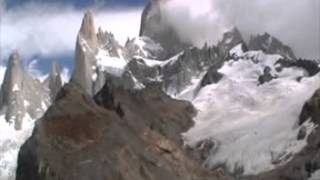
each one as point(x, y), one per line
point(51, 30)
point(295, 22)
point(48, 31)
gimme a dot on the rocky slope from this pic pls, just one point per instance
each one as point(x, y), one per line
point(122, 135)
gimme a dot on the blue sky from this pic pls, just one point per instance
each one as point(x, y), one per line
point(79, 4)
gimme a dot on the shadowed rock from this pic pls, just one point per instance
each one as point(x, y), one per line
point(154, 26)
point(270, 45)
point(230, 39)
point(54, 82)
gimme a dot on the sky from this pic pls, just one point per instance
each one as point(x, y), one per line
point(295, 22)
point(45, 30)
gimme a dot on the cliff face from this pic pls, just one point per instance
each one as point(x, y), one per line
point(154, 26)
point(54, 82)
point(86, 49)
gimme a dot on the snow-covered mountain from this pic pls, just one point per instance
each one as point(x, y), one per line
point(23, 99)
point(257, 110)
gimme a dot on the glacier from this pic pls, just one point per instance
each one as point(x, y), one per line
point(254, 126)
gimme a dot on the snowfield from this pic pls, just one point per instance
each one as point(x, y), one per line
point(10, 142)
point(112, 65)
point(254, 127)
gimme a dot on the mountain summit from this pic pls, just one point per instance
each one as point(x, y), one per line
point(154, 26)
point(21, 96)
point(86, 49)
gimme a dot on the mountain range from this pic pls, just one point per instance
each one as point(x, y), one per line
point(157, 108)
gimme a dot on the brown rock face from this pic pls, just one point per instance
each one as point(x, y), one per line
point(131, 135)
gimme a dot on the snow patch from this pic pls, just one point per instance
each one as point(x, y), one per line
point(10, 142)
point(15, 87)
point(315, 175)
point(109, 64)
point(26, 103)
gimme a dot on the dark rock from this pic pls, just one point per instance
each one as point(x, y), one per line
point(190, 64)
point(266, 76)
point(211, 77)
point(155, 27)
point(311, 109)
point(204, 148)
point(144, 47)
point(54, 81)
point(302, 133)
point(230, 40)
point(142, 72)
point(310, 66)
point(270, 45)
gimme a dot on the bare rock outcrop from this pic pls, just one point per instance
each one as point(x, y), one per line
point(54, 82)
point(127, 135)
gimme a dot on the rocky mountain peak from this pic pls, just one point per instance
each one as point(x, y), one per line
point(9, 95)
point(271, 45)
point(55, 82)
point(153, 26)
point(21, 95)
point(14, 57)
point(86, 50)
point(88, 31)
point(230, 39)
point(108, 42)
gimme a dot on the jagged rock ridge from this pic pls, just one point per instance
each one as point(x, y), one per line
point(21, 96)
point(54, 82)
point(270, 45)
point(126, 139)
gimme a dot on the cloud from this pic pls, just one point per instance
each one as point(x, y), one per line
point(295, 22)
point(50, 30)
point(196, 22)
